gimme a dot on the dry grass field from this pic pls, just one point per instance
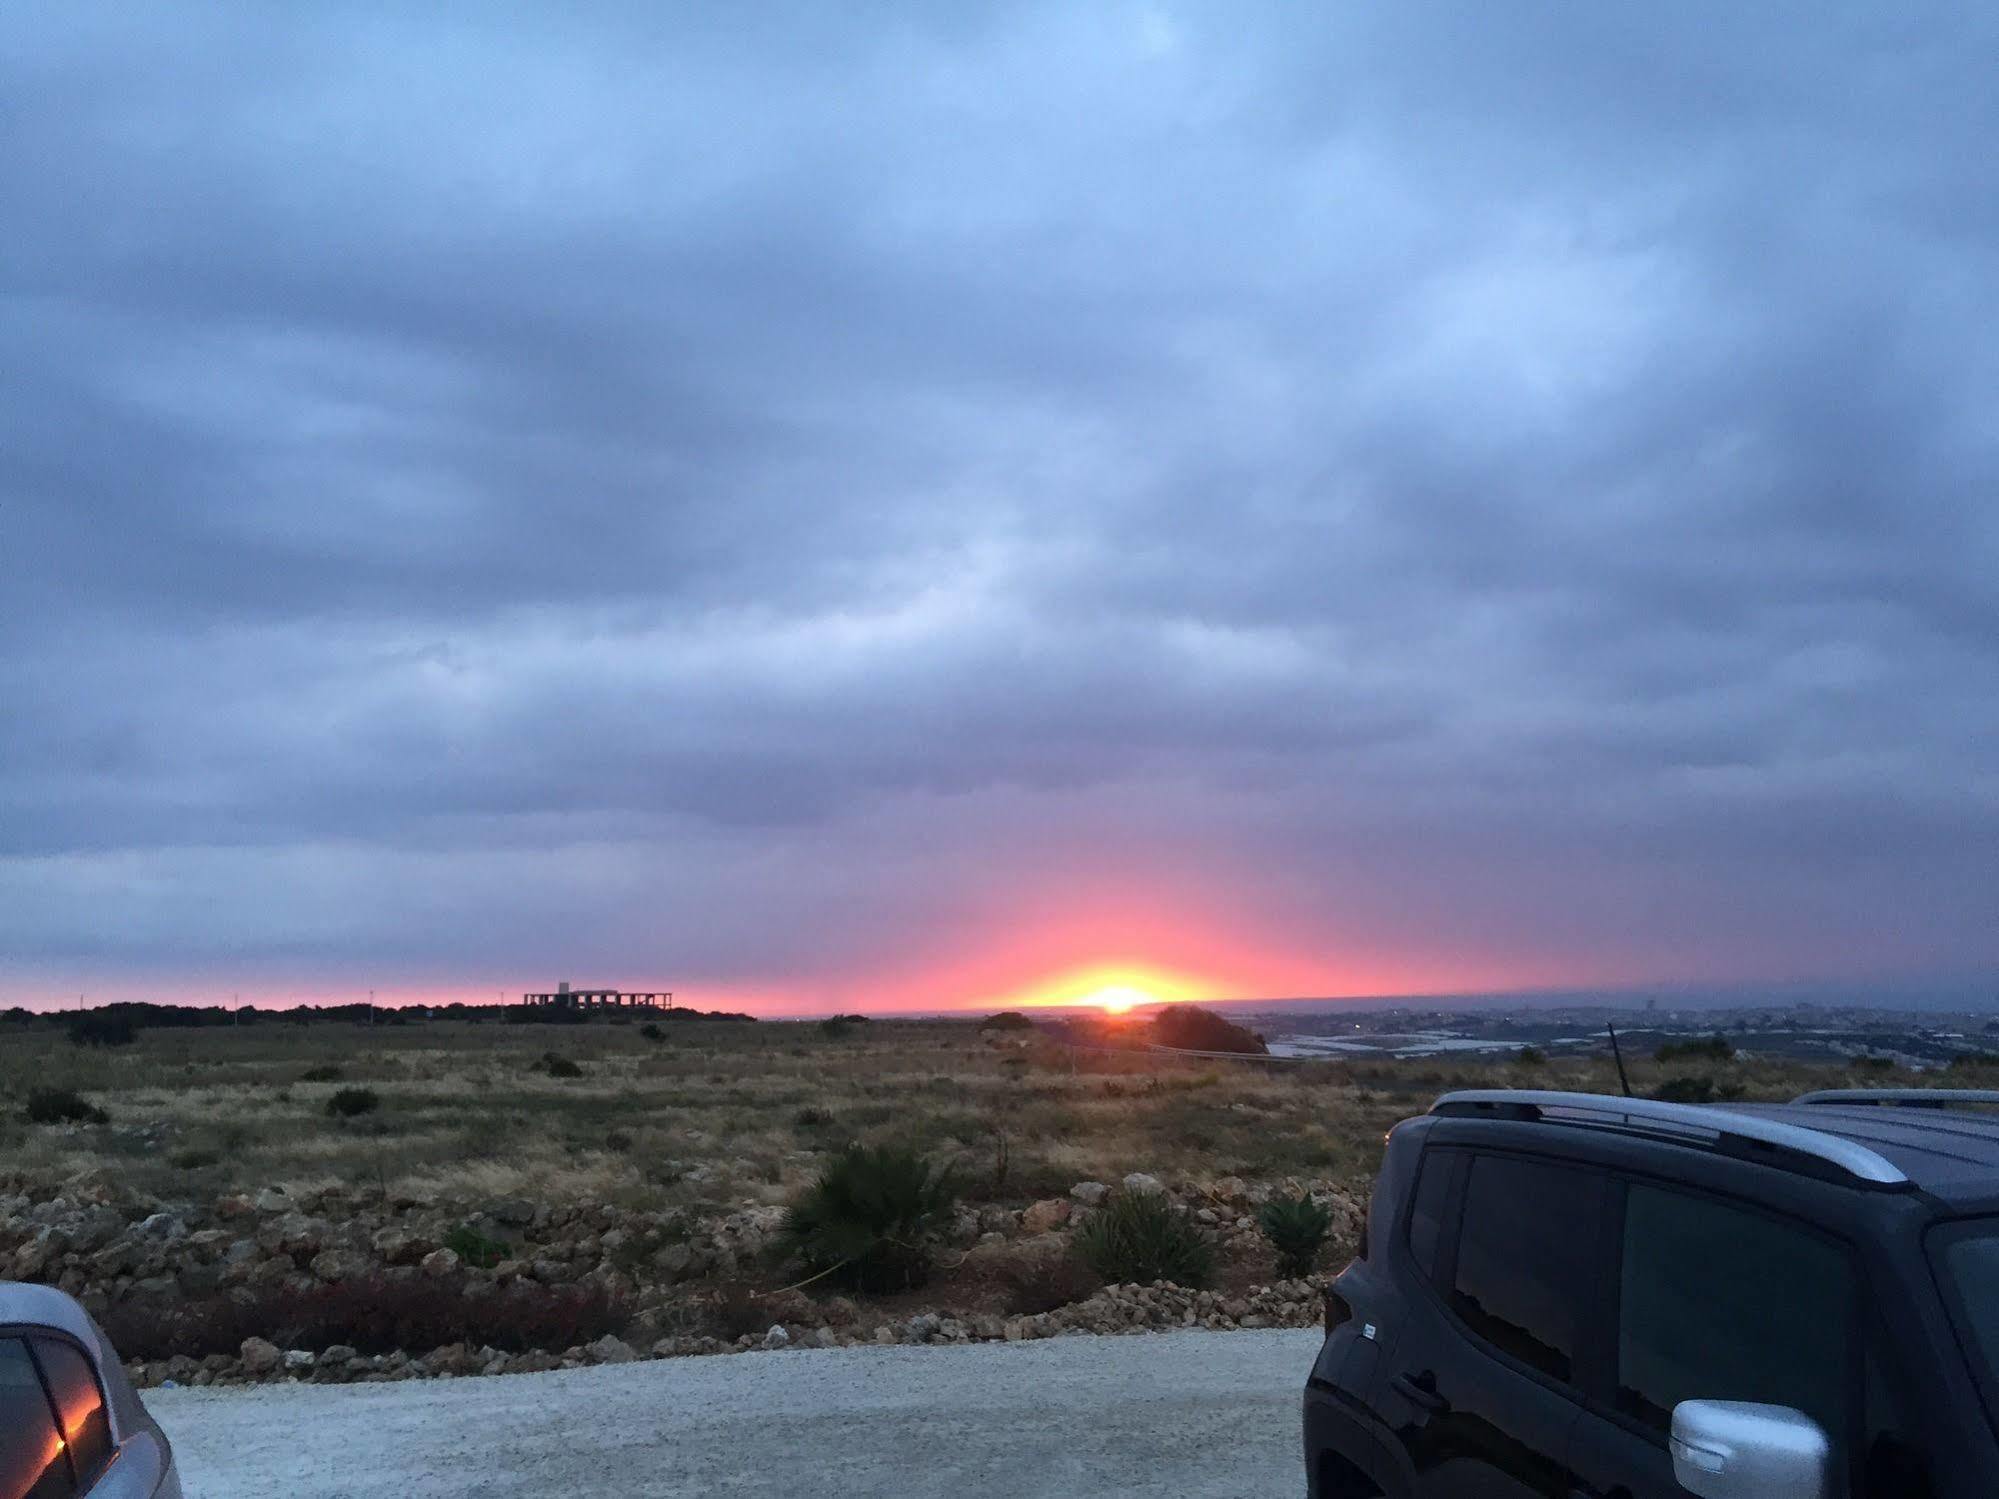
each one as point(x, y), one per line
point(720, 1114)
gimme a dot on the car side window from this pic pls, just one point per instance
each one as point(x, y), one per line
point(1717, 1302)
point(32, 1464)
point(1526, 1258)
point(79, 1406)
point(1427, 1212)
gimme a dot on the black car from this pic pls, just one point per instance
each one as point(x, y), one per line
point(1585, 1297)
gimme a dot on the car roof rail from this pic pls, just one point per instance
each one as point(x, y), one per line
point(1683, 1123)
point(1902, 1098)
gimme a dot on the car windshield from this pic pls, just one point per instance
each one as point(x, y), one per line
point(1967, 1260)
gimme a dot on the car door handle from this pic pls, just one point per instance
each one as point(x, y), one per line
point(1420, 1390)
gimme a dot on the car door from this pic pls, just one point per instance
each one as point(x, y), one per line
point(1717, 1300)
point(1477, 1388)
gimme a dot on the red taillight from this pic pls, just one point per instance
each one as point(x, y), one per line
point(1339, 1311)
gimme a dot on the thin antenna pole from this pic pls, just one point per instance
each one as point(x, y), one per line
point(1618, 1052)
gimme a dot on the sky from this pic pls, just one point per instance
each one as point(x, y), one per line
point(912, 506)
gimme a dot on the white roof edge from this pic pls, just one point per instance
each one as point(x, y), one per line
point(1607, 1108)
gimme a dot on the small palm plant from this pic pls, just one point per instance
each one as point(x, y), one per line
point(1141, 1237)
point(871, 1218)
point(1296, 1227)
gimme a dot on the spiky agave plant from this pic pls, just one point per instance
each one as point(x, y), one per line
point(1296, 1227)
point(871, 1218)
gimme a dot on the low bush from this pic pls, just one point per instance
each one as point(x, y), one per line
point(559, 1066)
point(1006, 1020)
point(474, 1248)
point(1142, 1237)
point(1530, 1056)
point(1695, 1090)
point(1045, 1282)
point(62, 1106)
point(733, 1310)
point(326, 1073)
point(194, 1158)
point(651, 1031)
point(373, 1314)
point(1707, 1049)
point(1874, 1064)
point(1191, 1028)
point(871, 1218)
point(1296, 1228)
point(102, 1028)
point(842, 1025)
point(350, 1103)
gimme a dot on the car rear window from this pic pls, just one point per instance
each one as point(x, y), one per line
point(1526, 1258)
point(79, 1406)
point(32, 1464)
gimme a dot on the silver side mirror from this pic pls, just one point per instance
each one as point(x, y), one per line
point(1731, 1449)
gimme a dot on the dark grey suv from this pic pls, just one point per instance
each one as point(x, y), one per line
point(1585, 1297)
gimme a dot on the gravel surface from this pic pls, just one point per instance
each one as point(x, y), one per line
point(1195, 1415)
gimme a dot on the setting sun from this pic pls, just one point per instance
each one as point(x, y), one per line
point(1116, 999)
point(1114, 989)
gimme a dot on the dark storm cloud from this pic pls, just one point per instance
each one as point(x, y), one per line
point(1513, 477)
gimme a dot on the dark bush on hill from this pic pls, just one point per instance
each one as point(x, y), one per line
point(1707, 1049)
point(62, 1106)
point(842, 1025)
point(326, 1073)
point(1191, 1028)
point(103, 1028)
point(351, 1103)
point(558, 1066)
point(1694, 1090)
point(1006, 1020)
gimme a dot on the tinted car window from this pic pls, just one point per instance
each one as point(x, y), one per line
point(32, 1465)
point(1720, 1303)
point(1426, 1213)
point(79, 1406)
point(1526, 1247)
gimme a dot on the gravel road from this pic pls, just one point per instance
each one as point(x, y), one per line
point(1193, 1415)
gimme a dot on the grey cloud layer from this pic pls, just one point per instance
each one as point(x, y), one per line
point(1547, 449)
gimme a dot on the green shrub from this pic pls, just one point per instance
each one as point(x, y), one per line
point(327, 1073)
point(1296, 1228)
point(1006, 1020)
point(1694, 1090)
point(348, 1103)
point(1874, 1064)
point(651, 1031)
point(1708, 1049)
point(559, 1066)
point(474, 1248)
point(62, 1106)
point(871, 1217)
point(1530, 1056)
point(1140, 1237)
point(195, 1158)
point(842, 1025)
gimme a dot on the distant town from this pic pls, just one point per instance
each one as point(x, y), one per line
point(1800, 1031)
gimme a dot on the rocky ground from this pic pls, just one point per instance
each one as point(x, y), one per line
point(688, 1285)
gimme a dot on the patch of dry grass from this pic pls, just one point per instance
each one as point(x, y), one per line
point(720, 1113)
